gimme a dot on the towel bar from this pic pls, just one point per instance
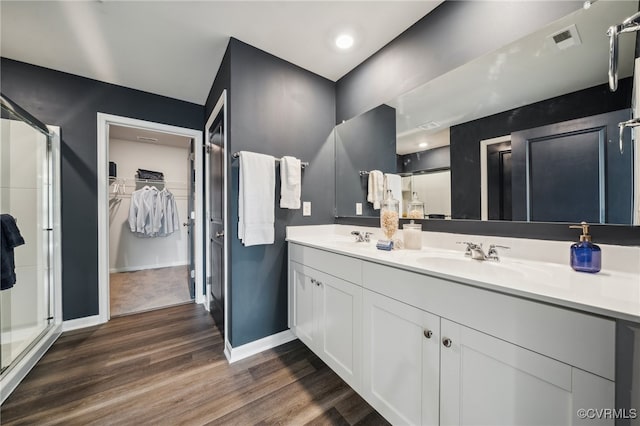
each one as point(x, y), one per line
point(303, 164)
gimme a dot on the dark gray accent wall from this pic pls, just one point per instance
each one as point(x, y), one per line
point(432, 159)
point(453, 34)
point(366, 142)
point(279, 109)
point(72, 102)
point(465, 138)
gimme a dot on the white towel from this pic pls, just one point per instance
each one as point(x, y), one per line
point(375, 191)
point(256, 199)
point(290, 183)
point(394, 183)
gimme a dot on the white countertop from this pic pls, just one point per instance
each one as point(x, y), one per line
point(544, 275)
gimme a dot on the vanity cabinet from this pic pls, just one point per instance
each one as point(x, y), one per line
point(485, 380)
point(426, 350)
point(421, 369)
point(401, 360)
point(326, 315)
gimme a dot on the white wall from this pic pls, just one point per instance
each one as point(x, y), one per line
point(24, 308)
point(128, 252)
point(434, 189)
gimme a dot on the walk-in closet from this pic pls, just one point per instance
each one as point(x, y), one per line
point(150, 238)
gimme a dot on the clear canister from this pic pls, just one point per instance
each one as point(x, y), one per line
point(389, 215)
point(412, 235)
point(416, 208)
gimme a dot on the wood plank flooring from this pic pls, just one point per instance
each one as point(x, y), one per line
point(167, 367)
point(148, 289)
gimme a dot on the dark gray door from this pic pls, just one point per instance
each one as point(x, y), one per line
point(573, 171)
point(216, 220)
point(499, 181)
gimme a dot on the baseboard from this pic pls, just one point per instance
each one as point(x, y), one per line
point(144, 267)
point(255, 347)
point(78, 323)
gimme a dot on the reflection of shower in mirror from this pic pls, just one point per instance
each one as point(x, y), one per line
point(631, 24)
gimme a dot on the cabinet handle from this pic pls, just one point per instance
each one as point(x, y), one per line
point(313, 281)
point(428, 334)
point(447, 342)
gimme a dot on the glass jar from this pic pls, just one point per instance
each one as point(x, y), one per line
point(412, 235)
point(389, 215)
point(416, 208)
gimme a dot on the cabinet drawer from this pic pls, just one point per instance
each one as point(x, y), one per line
point(338, 265)
point(582, 340)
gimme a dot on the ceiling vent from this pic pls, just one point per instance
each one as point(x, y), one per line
point(566, 38)
point(429, 126)
point(147, 139)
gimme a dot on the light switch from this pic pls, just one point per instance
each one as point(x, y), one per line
point(358, 209)
point(306, 208)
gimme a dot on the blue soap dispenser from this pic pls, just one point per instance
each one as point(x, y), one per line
point(585, 256)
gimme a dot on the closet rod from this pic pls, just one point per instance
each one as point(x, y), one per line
point(303, 164)
point(152, 181)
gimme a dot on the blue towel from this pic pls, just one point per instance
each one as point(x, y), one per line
point(10, 238)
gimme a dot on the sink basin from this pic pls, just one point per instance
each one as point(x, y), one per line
point(460, 264)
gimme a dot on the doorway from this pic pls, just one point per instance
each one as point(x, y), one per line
point(216, 247)
point(499, 181)
point(495, 177)
point(136, 259)
point(150, 199)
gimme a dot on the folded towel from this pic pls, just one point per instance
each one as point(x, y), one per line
point(256, 199)
point(375, 191)
point(394, 183)
point(290, 183)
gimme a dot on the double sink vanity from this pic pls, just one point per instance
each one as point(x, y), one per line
point(432, 336)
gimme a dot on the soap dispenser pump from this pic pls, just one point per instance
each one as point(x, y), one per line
point(585, 256)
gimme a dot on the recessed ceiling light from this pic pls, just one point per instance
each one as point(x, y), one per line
point(423, 145)
point(344, 41)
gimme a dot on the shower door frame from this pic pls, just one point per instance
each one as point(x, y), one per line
point(15, 373)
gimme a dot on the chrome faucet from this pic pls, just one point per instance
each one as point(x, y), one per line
point(492, 254)
point(476, 252)
point(362, 236)
point(473, 250)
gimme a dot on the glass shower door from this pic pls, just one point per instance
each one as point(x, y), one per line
point(26, 212)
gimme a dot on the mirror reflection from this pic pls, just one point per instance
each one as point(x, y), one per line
point(528, 132)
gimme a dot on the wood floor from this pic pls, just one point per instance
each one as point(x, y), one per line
point(166, 367)
point(148, 289)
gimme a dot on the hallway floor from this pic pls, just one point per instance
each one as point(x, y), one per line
point(167, 367)
point(140, 291)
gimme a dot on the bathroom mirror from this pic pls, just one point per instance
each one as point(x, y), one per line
point(560, 67)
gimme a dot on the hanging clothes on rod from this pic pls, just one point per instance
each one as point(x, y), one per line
point(153, 212)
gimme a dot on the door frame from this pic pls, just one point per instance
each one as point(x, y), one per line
point(104, 121)
point(484, 186)
point(221, 105)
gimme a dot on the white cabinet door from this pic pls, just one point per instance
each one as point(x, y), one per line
point(340, 327)
point(303, 320)
point(487, 381)
point(326, 316)
point(400, 360)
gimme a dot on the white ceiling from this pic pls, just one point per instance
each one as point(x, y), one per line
point(174, 48)
point(527, 71)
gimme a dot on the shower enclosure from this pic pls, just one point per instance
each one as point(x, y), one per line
point(30, 317)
